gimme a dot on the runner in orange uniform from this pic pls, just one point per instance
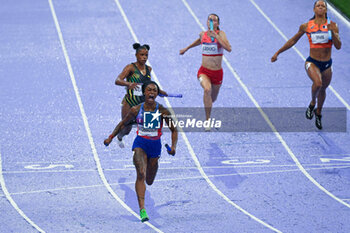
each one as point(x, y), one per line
point(322, 34)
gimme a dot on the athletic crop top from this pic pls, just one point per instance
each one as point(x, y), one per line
point(152, 129)
point(318, 36)
point(135, 96)
point(210, 48)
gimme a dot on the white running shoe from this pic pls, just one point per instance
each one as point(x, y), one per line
point(207, 129)
point(120, 143)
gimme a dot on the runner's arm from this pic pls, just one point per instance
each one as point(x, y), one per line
point(291, 42)
point(170, 122)
point(194, 44)
point(120, 81)
point(131, 115)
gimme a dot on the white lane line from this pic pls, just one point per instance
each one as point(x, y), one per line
point(297, 51)
point(174, 179)
point(278, 171)
point(131, 168)
point(163, 160)
point(302, 169)
point(86, 123)
point(336, 13)
point(242, 156)
point(266, 118)
point(197, 161)
point(12, 202)
point(193, 155)
point(77, 161)
point(330, 155)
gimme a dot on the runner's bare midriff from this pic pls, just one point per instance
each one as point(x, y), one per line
point(212, 62)
point(321, 54)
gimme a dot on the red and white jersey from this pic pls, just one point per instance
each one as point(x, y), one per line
point(210, 48)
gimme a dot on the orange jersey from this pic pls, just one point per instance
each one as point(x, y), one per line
point(318, 36)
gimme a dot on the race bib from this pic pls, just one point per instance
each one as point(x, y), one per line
point(148, 133)
point(138, 90)
point(211, 49)
point(319, 37)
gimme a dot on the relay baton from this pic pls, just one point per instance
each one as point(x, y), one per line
point(211, 28)
point(329, 32)
point(171, 95)
point(168, 148)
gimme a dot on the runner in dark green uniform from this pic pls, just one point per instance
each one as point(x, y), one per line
point(135, 74)
point(134, 96)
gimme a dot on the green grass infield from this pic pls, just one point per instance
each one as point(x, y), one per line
point(343, 6)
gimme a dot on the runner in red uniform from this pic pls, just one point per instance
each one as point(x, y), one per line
point(210, 74)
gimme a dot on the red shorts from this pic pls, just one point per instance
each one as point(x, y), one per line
point(214, 75)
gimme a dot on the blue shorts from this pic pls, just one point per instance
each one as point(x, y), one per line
point(152, 148)
point(322, 65)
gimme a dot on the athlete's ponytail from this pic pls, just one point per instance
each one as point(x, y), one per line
point(146, 46)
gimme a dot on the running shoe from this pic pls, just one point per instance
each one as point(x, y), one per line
point(121, 142)
point(309, 113)
point(143, 215)
point(318, 122)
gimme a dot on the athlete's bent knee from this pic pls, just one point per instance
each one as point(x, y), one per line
point(318, 84)
point(141, 175)
point(207, 90)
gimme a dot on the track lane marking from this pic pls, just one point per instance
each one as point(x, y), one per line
point(173, 168)
point(297, 51)
point(188, 144)
point(12, 202)
point(180, 178)
point(284, 143)
point(85, 120)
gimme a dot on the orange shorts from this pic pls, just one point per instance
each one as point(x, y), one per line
point(215, 76)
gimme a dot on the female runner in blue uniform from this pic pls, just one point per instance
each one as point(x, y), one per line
point(147, 144)
point(318, 65)
point(135, 74)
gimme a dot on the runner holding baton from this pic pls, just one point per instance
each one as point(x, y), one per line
point(210, 74)
point(323, 34)
point(132, 77)
point(147, 144)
